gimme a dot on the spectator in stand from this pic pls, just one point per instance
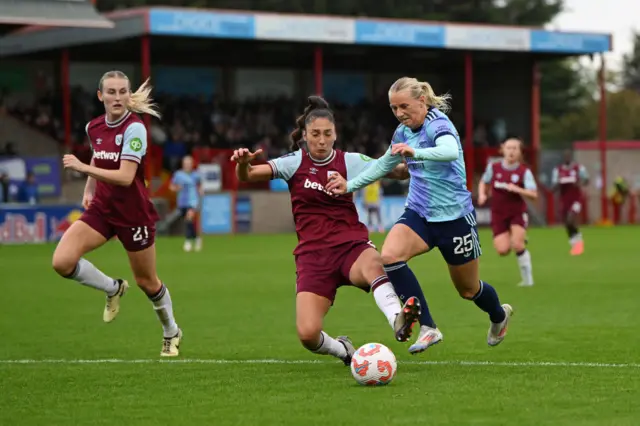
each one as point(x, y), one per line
point(28, 190)
point(4, 187)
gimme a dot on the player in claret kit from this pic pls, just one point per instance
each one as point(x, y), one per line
point(511, 182)
point(333, 245)
point(117, 204)
point(439, 212)
point(568, 178)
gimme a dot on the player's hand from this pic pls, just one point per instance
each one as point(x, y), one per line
point(70, 161)
point(244, 156)
point(87, 198)
point(512, 187)
point(402, 149)
point(482, 198)
point(336, 184)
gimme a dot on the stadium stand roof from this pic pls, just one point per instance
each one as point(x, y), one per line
point(219, 24)
point(67, 13)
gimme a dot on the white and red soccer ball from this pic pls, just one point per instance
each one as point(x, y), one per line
point(373, 364)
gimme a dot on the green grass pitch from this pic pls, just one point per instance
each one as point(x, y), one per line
point(572, 356)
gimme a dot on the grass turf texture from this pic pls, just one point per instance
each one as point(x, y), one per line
point(235, 302)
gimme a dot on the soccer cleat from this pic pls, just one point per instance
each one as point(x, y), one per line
point(187, 246)
point(198, 244)
point(408, 316)
point(171, 345)
point(428, 337)
point(525, 284)
point(577, 248)
point(497, 332)
point(112, 307)
point(346, 342)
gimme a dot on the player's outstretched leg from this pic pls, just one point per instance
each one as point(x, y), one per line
point(485, 297)
point(310, 311)
point(366, 271)
point(143, 266)
point(78, 240)
point(400, 318)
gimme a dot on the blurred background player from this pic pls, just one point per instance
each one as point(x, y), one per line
point(511, 182)
point(186, 182)
point(439, 212)
point(333, 245)
point(117, 204)
point(568, 178)
point(371, 199)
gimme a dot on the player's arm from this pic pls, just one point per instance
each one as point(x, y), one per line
point(174, 186)
point(374, 171)
point(90, 186)
point(248, 173)
point(484, 185)
point(443, 134)
point(530, 189)
point(400, 172)
point(133, 149)
point(279, 168)
point(358, 163)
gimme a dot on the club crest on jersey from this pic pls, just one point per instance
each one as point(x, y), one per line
point(331, 173)
point(118, 140)
point(515, 178)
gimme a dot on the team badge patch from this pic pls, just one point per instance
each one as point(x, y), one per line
point(118, 140)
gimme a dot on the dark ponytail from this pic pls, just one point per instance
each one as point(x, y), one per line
point(316, 107)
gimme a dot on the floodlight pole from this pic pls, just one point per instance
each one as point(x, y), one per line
point(66, 97)
point(145, 67)
point(535, 116)
point(318, 70)
point(468, 117)
point(602, 121)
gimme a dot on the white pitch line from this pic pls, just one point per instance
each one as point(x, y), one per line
point(309, 361)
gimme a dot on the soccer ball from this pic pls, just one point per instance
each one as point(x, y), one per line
point(373, 364)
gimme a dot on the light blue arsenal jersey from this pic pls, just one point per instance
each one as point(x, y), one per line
point(438, 187)
point(188, 196)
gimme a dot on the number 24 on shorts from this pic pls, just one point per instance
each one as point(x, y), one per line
point(463, 245)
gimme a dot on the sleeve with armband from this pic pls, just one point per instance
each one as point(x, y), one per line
point(377, 170)
point(440, 131)
point(135, 142)
point(357, 163)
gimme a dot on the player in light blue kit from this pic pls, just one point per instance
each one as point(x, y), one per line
point(438, 212)
point(186, 182)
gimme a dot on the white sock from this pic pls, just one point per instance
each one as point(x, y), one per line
point(87, 274)
point(524, 261)
point(330, 346)
point(386, 299)
point(576, 238)
point(164, 310)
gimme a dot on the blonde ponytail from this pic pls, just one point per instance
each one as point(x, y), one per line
point(140, 101)
point(422, 88)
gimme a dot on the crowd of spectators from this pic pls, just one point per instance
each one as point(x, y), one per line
point(190, 122)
